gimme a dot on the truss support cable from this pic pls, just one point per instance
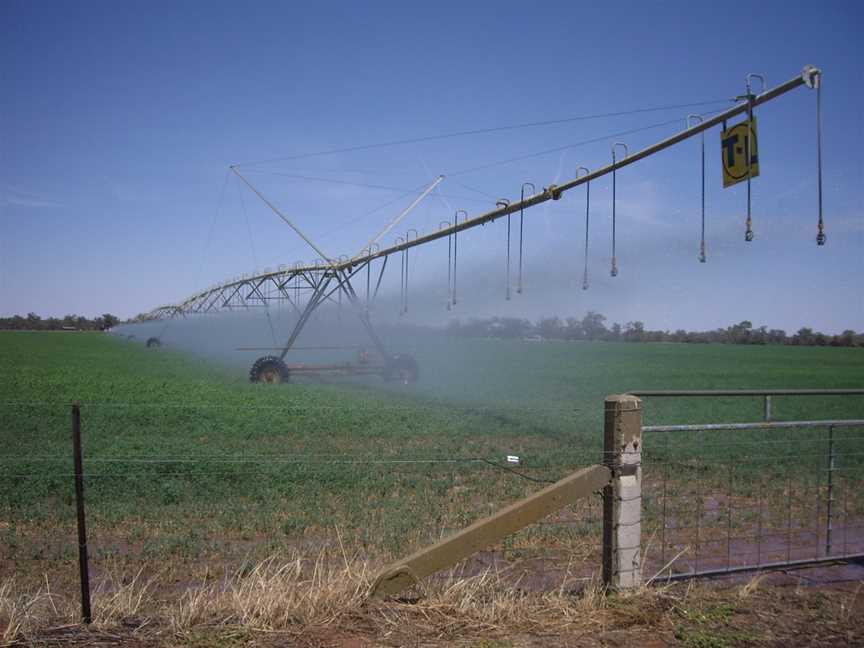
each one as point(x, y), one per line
point(481, 131)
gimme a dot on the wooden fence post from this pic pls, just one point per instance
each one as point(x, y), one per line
point(622, 499)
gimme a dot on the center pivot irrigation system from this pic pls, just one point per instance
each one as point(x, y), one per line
point(306, 286)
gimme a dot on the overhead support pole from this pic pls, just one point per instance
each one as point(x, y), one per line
point(401, 216)
point(276, 211)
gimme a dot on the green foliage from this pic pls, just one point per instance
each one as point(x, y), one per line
point(186, 456)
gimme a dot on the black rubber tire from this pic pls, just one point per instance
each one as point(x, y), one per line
point(154, 342)
point(402, 368)
point(270, 370)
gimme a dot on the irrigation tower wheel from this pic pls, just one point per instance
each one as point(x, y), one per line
point(402, 368)
point(270, 370)
point(154, 342)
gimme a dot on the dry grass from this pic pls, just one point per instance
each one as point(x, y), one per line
point(294, 594)
point(328, 594)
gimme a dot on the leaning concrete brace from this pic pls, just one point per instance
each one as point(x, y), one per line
point(405, 573)
point(622, 499)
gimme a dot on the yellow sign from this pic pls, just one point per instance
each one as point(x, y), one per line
point(733, 149)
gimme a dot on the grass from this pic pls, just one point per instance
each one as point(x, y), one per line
point(190, 465)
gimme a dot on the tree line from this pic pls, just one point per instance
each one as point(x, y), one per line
point(32, 322)
point(592, 327)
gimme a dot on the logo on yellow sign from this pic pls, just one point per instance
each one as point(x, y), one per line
point(733, 149)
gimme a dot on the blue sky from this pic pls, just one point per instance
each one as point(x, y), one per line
point(118, 122)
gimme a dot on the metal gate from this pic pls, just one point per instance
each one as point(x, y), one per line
point(721, 498)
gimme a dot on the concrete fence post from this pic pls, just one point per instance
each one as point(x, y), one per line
point(622, 499)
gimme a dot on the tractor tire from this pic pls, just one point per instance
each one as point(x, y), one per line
point(153, 342)
point(402, 368)
point(270, 370)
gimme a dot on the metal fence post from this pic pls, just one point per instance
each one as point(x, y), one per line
point(622, 499)
point(83, 567)
point(829, 525)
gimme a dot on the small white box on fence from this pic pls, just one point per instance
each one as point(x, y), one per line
point(513, 459)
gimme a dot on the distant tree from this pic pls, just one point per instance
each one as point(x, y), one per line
point(776, 336)
point(109, 320)
point(593, 326)
point(739, 333)
point(573, 329)
point(803, 337)
point(550, 328)
point(634, 331)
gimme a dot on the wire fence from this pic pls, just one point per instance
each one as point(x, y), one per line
point(170, 486)
point(211, 485)
point(719, 501)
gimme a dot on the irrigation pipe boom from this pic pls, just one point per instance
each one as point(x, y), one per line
point(316, 278)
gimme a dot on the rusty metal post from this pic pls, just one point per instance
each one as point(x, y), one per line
point(622, 500)
point(86, 616)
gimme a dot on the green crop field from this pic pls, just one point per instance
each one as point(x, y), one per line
point(187, 461)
